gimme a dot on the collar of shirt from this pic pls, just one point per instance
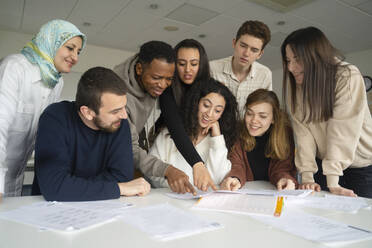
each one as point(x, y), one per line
point(227, 69)
point(35, 74)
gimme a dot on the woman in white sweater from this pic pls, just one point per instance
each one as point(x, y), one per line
point(209, 116)
point(327, 102)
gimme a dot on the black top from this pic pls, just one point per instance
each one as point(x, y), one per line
point(258, 161)
point(76, 163)
point(171, 117)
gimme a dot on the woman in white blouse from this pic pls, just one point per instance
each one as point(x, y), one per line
point(29, 82)
point(209, 116)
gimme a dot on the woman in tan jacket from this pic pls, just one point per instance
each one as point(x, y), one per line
point(327, 102)
point(265, 149)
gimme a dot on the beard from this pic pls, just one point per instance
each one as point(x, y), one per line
point(103, 127)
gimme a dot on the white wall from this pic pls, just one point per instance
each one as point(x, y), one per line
point(277, 82)
point(91, 56)
point(363, 60)
point(12, 42)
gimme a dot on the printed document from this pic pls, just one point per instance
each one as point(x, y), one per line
point(333, 202)
point(317, 228)
point(66, 216)
point(165, 222)
point(243, 204)
point(268, 192)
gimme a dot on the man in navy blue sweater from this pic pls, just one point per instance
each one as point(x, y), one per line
point(83, 149)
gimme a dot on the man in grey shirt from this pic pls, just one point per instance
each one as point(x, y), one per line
point(146, 75)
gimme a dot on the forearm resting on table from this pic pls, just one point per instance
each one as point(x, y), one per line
point(137, 186)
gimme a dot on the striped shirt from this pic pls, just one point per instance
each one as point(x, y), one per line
point(259, 77)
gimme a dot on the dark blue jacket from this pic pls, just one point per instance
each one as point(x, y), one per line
point(76, 163)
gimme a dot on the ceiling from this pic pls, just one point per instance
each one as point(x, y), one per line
point(126, 24)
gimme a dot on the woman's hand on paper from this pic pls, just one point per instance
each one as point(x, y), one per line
point(230, 183)
point(202, 179)
point(342, 191)
point(312, 186)
point(137, 186)
point(285, 183)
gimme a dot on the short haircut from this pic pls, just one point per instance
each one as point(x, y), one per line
point(156, 50)
point(257, 29)
point(93, 83)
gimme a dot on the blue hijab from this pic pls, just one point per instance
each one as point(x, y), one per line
point(42, 49)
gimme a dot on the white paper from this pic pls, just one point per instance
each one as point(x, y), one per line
point(114, 206)
point(286, 193)
point(267, 192)
point(316, 228)
point(238, 203)
point(165, 222)
point(67, 216)
point(188, 196)
point(332, 202)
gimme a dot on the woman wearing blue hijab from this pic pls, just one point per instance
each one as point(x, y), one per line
point(29, 82)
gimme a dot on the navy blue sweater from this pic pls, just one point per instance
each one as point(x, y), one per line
point(76, 163)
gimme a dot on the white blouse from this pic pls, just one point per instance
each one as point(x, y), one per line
point(212, 150)
point(23, 97)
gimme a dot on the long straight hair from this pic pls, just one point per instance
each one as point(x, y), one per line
point(279, 145)
point(203, 74)
point(320, 61)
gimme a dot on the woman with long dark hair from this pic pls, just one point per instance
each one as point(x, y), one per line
point(209, 118)
point(327, 102)
point(192, 70)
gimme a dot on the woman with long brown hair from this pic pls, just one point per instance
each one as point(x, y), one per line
point(327, 102)
point(265, 148)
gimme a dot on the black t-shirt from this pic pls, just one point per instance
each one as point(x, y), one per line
point(259, 163)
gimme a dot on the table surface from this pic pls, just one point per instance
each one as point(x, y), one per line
point(239, 230)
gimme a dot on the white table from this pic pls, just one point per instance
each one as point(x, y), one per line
point(239, 230)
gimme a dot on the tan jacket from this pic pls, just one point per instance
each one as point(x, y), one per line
point(345, 140)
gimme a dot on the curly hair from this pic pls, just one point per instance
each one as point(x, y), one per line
point(228, 119)
point(156, 50)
